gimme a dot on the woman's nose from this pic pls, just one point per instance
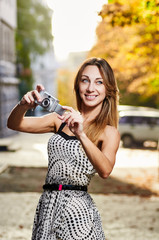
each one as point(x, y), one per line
point(90, 87)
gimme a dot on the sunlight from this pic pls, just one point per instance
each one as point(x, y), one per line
point(73, 25)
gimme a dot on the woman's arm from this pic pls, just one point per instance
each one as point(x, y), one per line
point(17, 120)
point(102, 159)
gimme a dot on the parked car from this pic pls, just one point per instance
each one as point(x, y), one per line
point(138, 126)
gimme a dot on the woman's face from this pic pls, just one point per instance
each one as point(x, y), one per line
point(91, 87)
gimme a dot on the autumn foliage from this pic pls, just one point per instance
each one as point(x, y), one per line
point(128, 37)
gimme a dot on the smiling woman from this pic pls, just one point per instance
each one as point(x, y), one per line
point(84, 142)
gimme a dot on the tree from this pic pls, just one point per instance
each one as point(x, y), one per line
point(128, 36)
point(33, 37)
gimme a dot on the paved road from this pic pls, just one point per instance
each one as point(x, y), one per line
point(123, 217)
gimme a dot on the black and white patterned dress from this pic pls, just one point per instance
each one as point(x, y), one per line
point(67, 214)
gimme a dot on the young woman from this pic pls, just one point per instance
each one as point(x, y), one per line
point(84, 142)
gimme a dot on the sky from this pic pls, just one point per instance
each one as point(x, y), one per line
point(73, 25)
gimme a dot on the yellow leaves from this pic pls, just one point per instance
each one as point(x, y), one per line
point(129, 56)
point(147, 85)
point(128, 37)
point(138, 85)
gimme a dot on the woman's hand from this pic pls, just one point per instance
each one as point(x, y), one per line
point(74, 121)
point(29, 98)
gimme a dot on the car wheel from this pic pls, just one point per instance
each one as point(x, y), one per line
point(127, 141)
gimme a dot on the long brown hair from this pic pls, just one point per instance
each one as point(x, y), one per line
point(108, 114)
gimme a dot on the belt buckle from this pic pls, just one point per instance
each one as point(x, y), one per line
point(60, 187)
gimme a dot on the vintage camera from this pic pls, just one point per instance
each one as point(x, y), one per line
point(50, 103)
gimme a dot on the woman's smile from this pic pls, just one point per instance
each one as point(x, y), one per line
point(90, 97)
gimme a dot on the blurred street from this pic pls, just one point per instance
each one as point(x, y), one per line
point(128, 200)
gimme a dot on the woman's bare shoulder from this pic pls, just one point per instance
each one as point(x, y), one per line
point(111, 129)
point(57, 122)
point(111, 133)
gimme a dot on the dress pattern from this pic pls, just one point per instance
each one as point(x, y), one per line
point(67, 214)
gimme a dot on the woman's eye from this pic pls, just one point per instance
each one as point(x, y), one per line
point(84, 80)
point(99, 82)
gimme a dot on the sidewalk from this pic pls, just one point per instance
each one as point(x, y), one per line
point(123, 216)
point(32, 151)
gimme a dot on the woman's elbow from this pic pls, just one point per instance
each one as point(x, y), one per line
point(9, 124)
point(104, 175)
point(12, 126)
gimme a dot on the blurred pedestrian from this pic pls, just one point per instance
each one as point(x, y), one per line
point(84, 142)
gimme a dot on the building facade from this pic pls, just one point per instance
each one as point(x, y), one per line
point(8, 82)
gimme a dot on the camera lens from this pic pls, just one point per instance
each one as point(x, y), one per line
point(45, 103)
